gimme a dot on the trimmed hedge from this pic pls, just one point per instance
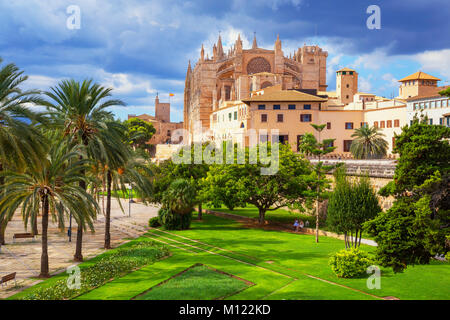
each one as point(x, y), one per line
point(111, 266)
point(350, 263)
point(154, 222)
point(174, 221)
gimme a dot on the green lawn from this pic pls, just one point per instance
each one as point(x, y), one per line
point(278, 215)
point(281, 265)
point(198, 283)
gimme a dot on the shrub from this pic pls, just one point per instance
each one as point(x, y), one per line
point(154, 222)
point(174, 221)
point(350, 263)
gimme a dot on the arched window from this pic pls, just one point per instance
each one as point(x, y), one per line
point(242, 125)
point(266, 84)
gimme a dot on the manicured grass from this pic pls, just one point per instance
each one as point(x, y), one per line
point(279, 215)
point(121, 194)
point(282, 265)
point(197, 283)
point(114, 263)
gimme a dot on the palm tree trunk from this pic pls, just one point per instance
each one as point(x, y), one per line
point(79, 245)
point(108, 211)
point(35, 230)
point(2, 222)
point(2, 232)
point(44, 255)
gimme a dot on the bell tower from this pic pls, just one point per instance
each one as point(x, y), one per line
point(346, 84)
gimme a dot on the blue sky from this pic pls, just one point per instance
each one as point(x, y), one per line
point(142, 47)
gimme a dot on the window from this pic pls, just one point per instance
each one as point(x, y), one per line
point(348, 86)
point(351, 72)
point(382, 124)
point(415, 106)
point(305, 118)
point(347, 96)
point(229, 116)
point(396, 123)
point(264, 118)
point(389, 124)
point(291, 107)
point(393, 143)
point(344, 72)
point(306, 107)
point(441, 121)
point(261, 107)
point(364, 124)
point(349, 125)
point(430, 121)
point(347, 144)
point(279, 118)
point(235, 115)
point(276, 107)
point(375, 124)
point(328, 125)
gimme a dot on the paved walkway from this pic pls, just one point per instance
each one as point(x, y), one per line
point(24, 255)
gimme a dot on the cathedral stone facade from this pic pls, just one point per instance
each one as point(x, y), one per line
point(233, 75)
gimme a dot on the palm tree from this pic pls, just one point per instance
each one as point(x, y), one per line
point(80, 109)
point(20, 142)
point(51, 184)
point(368, 143)
point(122, 167)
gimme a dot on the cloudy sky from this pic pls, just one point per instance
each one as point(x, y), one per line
point(142, 47)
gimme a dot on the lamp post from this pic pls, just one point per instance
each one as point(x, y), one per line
point(69, 231)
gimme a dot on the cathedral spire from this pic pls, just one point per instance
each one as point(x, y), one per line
point(255, 44)
point(238, 44)
point(202, 54)
point(219, 47)
point(278, 46)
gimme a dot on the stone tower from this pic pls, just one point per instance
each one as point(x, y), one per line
point(162, 110)
point(346, 84)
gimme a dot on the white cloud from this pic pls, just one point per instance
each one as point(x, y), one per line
point(437, 60)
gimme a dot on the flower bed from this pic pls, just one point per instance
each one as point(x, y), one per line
point(111, 266)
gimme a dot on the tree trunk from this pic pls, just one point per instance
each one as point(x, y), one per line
point(200, 212)
point(2, 222)
point(108, 211)
point(79, 245)
point(2, 232)
point(317, 217)
point(44, 255)
point(262, 216)
point(35, 230)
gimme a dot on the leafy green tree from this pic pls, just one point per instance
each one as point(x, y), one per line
point(48, 184)
point(352, 202)
point(219, 186)
point(368, 143)
point(194, 172)
point(80, 110)
point(20, 142)
point(283, 187)
point(318, 181)
point(415, 228)
point(445, 92)
point(139, 132)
